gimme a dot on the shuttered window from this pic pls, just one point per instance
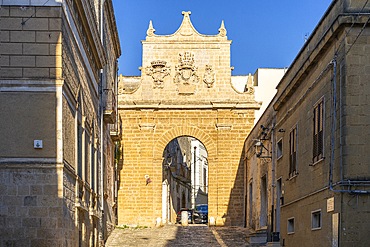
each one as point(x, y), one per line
point(318, 129)
point(293, 152)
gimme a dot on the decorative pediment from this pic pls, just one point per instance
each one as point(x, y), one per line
point(186, 28)
point(186, 31)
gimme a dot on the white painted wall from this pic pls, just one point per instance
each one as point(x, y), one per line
point(265, 82)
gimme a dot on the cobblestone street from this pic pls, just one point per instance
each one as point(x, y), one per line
point(177, 236)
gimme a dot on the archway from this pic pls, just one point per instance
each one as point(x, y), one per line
point(185, 177)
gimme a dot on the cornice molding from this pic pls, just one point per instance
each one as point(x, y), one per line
point(187, 106)
point(112, 22)
point(93, 37)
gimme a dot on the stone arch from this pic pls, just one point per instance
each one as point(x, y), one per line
point(192, 131)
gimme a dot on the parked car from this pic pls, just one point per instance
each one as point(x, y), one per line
point(201, 214)
point(190, 215)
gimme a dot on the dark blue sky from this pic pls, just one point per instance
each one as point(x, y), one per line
point(265, 33)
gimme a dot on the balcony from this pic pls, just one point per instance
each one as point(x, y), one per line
point(109, 106)
point(116, 130)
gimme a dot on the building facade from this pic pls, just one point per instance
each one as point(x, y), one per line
point(199, 166)
point(185, 89)
point(58, 122)
point(310, 181)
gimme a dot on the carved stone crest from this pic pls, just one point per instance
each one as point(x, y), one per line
point(158, 71)
point(186, 71)
point(209, 76)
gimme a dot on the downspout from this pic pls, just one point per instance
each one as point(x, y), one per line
point(340, 124)
point(102, 235)
point(273, 185)
point(333, 122)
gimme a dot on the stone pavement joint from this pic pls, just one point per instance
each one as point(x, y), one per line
point(218, 238)
point(179, 236)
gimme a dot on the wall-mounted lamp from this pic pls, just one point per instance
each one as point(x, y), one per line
point(259, 149)
point(147, 179)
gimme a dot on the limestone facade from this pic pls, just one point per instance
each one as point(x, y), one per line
point(315, 190)
point(185, 89)
point(57, 116)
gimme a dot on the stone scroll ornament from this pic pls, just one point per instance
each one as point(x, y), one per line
point(186, 70)
point(158, 71)
point(209, 76)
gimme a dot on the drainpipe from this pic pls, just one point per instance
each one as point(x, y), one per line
point(273, 185)
point(102, 235)
point(333, 122)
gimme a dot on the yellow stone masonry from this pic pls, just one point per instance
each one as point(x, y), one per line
point(185, 89)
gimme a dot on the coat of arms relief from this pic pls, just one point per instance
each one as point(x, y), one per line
point(186, 74)
point(209, 76)
point(186, 70)
point(158, 71)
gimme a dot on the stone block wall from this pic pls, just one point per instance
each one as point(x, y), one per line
point(31, 208)
point(30, 42)
point(146, 134)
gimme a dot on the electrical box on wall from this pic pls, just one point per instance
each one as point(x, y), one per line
point(37, 144)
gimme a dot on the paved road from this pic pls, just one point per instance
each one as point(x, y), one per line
point(179, 236)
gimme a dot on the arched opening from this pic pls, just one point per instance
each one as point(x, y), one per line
point(185, 179)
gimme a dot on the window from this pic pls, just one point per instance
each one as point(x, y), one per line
point(279, 149)
point(87, 160)
point(290, 225)
point(318, 126)
point(93, 168)
point(79, 149)
point(316, 220)
point(250, 205)
point(264, 202)
point(293, 152)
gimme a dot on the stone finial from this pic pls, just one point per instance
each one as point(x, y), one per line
point(222, 30)
point(186, 13)
point(151, 30)
point(249, 85)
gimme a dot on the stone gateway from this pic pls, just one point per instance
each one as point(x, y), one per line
point(185, 89)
